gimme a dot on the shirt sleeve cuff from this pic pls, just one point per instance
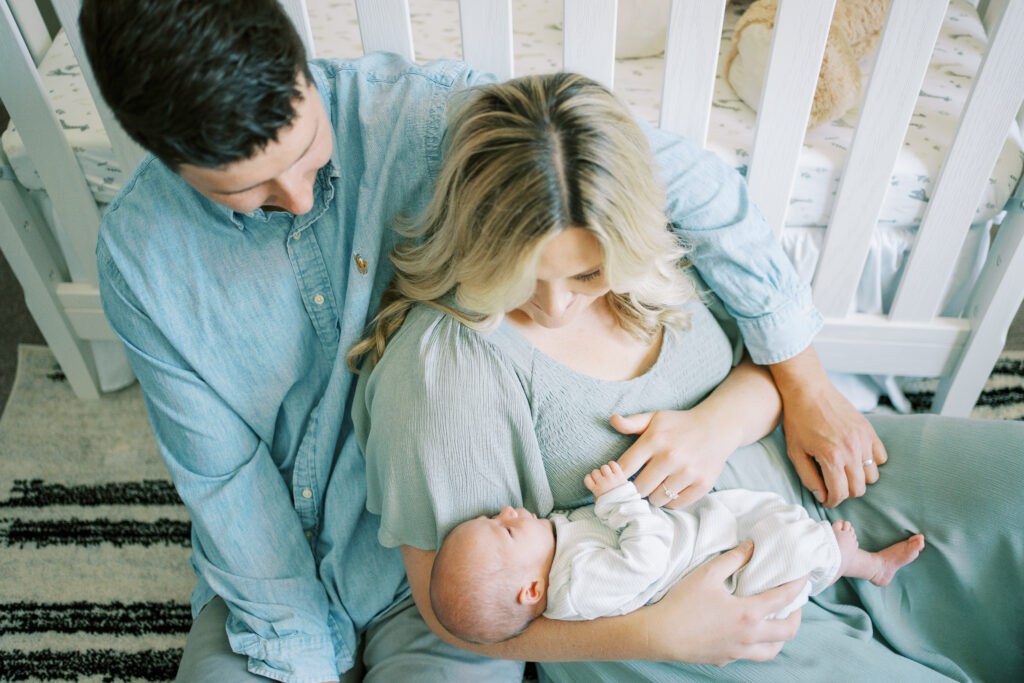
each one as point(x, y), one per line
point(778, 336)
point(292, 659)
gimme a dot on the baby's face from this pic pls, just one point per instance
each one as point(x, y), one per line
point(519, 534)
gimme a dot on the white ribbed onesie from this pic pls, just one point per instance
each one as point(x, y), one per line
point(623, 553)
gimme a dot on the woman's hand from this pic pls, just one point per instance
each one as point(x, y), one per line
point(833, 447)
point(730, 627)
point(682, 452)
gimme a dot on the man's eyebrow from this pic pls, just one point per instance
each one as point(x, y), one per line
point(308, 147)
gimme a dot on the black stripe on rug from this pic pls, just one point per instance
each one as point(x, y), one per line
point(112, 665)
point(134, 619)
point(40, 493)
point(17, 532)
point(921, 401)
point(1009, 366)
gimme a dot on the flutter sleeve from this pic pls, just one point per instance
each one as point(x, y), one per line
point(445, 425)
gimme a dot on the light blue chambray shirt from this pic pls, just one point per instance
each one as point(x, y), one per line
point(237, 326)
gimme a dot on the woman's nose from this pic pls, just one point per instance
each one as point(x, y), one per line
point(552, 300)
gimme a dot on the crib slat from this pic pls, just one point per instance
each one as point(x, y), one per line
point(588, 39)
point(487, 35)
point(995, 299)
point(691, 57)
point(990, 108)
point(907, 40)
point(33, 28)
point(299, 14)
point(25, 97)
point(33, 256)
point(126, 151)
point(798, 44)
point(385, 25)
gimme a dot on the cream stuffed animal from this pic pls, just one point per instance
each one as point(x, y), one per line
point(856, 27)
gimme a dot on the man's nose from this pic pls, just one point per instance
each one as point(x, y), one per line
point(294, 193)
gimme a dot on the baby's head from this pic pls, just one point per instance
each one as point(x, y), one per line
point(490, 575)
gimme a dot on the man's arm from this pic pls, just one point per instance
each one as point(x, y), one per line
point(248, 543)
point(737, 254)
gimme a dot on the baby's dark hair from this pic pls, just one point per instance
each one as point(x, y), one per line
point(202, 82)
point(476, 600)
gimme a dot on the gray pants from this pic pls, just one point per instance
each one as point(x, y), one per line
point(400, 647)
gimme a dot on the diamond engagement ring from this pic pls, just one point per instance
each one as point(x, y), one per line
point(869, 461)
point(671, 496)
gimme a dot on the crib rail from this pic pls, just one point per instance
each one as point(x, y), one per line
point(911, 339)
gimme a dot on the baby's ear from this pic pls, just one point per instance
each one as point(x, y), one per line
point(530, 594)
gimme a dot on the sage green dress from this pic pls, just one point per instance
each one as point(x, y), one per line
point(456, 423)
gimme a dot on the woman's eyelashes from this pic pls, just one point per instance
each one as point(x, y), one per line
point(586, 277)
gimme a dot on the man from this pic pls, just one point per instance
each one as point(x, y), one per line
point(246, 255)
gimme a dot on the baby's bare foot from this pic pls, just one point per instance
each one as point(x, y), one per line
point(895, 556)
point(603, 480)
point(877, 567)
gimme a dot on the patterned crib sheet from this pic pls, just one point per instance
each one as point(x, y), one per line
point(538, 40)
point(638, 82)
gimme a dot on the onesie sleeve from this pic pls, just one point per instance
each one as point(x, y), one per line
point(445, 425)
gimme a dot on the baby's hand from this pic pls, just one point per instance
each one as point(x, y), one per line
point(600, 482)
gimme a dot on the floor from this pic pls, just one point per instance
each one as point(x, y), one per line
point(17, 327)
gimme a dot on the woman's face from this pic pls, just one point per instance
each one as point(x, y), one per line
point(570, 277)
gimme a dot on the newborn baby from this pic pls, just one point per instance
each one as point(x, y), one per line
point(492, 576)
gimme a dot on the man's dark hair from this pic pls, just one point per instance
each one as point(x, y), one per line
point(202, 82)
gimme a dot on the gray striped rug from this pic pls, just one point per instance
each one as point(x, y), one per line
point(94, 546)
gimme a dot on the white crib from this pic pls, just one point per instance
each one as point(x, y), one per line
point(52, 258)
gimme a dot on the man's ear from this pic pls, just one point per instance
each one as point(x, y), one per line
point(531, 593)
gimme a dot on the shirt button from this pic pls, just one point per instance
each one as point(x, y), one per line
point(318, 299)
point(296, 236)
point(306, 493)
point(309, 534)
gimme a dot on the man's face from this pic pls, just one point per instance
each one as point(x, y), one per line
point(279, 177)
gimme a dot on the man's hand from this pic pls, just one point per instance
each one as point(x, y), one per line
point(832, 446)
point(730, 627)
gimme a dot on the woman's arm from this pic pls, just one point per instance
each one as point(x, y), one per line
point(697, 622)
point(683, 451)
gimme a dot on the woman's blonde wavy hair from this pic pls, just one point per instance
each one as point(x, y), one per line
point(526, 159)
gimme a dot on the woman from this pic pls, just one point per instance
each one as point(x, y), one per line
point(545, 294)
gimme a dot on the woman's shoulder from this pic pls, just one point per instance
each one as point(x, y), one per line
point(434, 353)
